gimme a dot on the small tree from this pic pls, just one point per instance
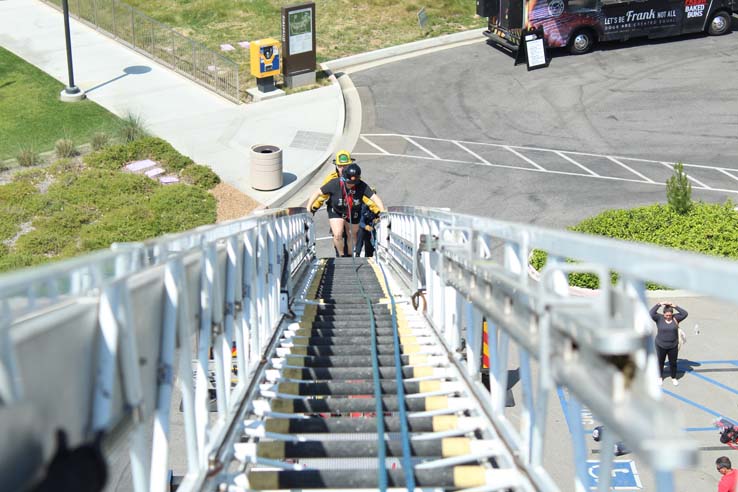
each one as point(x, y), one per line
point(679, 190)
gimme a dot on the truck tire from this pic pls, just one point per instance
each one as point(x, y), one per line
point(582, 42)
point(719, 24)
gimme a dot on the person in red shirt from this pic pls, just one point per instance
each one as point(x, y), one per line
point(730, 476)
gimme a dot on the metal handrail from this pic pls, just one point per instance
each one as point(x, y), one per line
point(598, 349)
point(717, 277)
point(200, 292)
point(155, 40)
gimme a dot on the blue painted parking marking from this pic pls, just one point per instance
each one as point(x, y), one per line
point(689, 370)
point(728, 361)
point(564, 406)
point(697, 405)
point(700, 429)
point(624, 475)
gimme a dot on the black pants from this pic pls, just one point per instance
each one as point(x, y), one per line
point(661, 353)
point(365, 239)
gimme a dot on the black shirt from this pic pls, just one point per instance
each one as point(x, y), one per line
point(667, 334)
point(342, 196)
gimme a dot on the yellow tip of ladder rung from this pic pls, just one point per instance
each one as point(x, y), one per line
point(271, 449)
point(455, 446)
point(436, 403)
point(469, 476)
point(445, 422)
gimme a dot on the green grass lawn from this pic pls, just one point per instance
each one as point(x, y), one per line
point(33, 115)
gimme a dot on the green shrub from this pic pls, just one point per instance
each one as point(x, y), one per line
point(42, 242)
point(156, 149)
point(201, 176)
point(64, 147)
point(162, 152)
point(14, 261)
point(91, 206)
point(28, 156)
point(113, 157)
point(131, 128)
point(131, 223)
point(180, 207)
point(101, 189)
point(54, 233)
point(710, 229)
point(679, 190)
point(10, 220)
point(30, 176)
point(100, 140)
point(16, 192)
point(64, 166)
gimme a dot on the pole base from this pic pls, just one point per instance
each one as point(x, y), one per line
point(66, 96)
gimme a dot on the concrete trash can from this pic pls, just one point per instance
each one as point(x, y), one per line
point(266, 167)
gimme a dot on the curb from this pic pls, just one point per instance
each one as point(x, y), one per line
point(404, 49)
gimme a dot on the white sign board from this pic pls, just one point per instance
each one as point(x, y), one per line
point(301, 31)
point(536, 53)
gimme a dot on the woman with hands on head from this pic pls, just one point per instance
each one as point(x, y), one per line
point(667, 336)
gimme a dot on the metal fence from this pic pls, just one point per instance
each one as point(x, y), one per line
point(159, 42)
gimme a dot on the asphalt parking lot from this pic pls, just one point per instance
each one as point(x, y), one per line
point(465, 129)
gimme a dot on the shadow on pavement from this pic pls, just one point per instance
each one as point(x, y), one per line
point(133, 70)
point(288, 178)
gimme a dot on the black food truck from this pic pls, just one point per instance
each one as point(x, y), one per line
point(579, 24)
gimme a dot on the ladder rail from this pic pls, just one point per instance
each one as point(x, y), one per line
point(226, 281)
point(151, 303)
point(598, 348)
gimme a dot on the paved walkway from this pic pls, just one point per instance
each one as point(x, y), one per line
point(199, 123)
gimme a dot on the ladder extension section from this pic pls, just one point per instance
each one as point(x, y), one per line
point(347, 373)
point(316, 424)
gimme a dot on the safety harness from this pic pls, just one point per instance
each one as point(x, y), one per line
point(348, 200)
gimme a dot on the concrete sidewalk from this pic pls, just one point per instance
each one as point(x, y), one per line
point(197, 122)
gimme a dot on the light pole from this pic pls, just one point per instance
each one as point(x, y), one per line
point(71, 92)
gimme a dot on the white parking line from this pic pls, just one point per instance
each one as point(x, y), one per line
point(473, 153)
point(503, 166)
point(727, 173)
point(566, 157)
point(373, 144)
point(519, 151)
point(670, 166)
point(422, 148)
point(524, 158)
point(630, 169)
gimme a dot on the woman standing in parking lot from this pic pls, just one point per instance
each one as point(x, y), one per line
point(667, 336)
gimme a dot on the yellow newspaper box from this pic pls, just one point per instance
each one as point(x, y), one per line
point(265, 57)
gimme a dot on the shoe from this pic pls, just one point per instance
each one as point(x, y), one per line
point(675, 382)
point(661, 381)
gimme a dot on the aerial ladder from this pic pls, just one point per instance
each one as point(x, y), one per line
point(234, 356)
